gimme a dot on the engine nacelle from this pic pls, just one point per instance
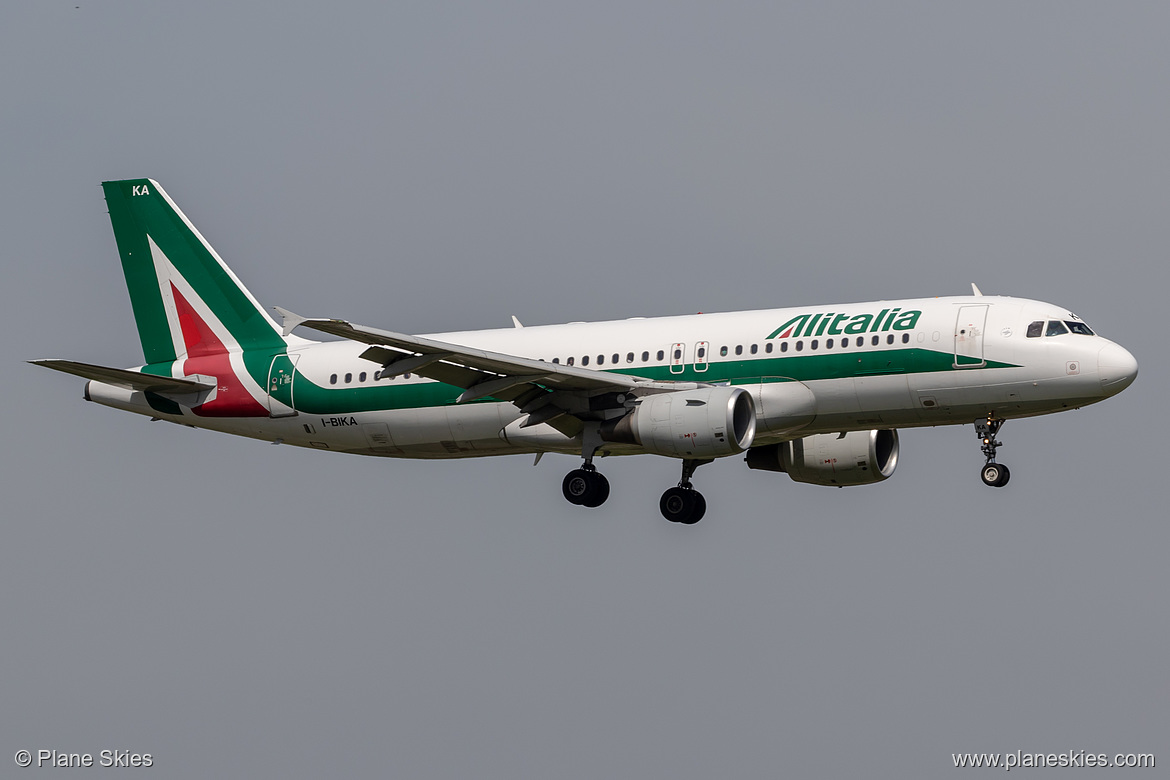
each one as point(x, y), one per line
point(839, 459)
point(709, 422)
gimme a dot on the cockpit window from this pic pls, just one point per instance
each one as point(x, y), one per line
point(1055, 328)
point(1036, 329)
point(1079, 327)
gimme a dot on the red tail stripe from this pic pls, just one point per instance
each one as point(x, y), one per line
point(207, 355)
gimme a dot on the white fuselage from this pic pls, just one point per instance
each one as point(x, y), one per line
point(964, 358)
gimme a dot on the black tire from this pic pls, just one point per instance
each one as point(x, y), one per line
point(598, 490)
point(699, 509)
point(1005, 475)
point(995, 475)
point(575, 486)
point(678, 505)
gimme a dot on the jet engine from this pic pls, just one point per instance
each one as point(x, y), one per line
point(839, 459)
point(709, 422)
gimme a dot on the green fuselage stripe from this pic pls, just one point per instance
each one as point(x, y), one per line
point(387, 395)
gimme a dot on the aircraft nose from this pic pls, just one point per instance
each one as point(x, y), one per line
point(1116, 367)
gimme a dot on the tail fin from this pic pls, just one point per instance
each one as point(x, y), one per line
point(187, 302)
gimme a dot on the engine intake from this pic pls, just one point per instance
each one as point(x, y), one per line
point(837, 459)
point(710, 422)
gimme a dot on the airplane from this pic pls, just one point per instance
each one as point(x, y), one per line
point(815, 392)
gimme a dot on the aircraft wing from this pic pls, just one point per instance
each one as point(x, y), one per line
point(537, 387)
point(122, 377)
point(462, 366)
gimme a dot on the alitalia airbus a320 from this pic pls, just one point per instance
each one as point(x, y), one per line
point(817, 392)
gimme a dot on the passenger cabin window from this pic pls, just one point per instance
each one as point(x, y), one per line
point(348, 378)
point(630, 357)
point(890, 339)
point(799, 346)
point(585, 360)
point(333, 379)
point(783, 346)
point(362, 376)
point(601, 360)
point(616, 356)
point(1055, 328)
point(876, 340)
point(768, 347)
point(905, 338)
point(661, 354)
point(557, 360)
point(814, 344)
point(1036, 329)
point(861, 341)
point(569, 362)
point(645, 357)
point(723, 352)
point(739, 349)
point(755, 348)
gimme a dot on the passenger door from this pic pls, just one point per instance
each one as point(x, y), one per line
point(969, 326)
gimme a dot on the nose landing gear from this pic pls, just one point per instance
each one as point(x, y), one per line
point(993, 474)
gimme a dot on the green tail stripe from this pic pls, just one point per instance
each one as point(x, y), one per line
point(138, 209)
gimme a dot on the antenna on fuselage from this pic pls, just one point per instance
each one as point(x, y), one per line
point(975, 290)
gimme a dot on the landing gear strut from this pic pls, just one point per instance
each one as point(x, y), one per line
point(993, 474)
point(684, 504)
point(585, 486)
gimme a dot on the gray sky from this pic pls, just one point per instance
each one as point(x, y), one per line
point(239, 609)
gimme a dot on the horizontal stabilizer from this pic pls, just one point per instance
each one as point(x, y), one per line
point(122, 377)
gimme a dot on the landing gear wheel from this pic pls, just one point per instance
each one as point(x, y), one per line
point(598, 490)
point(995, 475)
point(576, 486)
point(1007, 474)
point(585, 488)
point(683, 505)
point(700, 508)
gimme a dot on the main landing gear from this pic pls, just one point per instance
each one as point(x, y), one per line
point(585, 486)
point(680, 504)
point(684, 504)
point(993, 474)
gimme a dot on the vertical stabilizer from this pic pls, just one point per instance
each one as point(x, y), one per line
point(187, 302)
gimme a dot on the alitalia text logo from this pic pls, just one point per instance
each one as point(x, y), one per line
point(834, 324)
